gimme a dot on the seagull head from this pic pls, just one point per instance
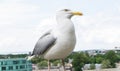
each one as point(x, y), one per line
point(67, 13)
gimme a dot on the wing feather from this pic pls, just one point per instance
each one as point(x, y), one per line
point(44, 43)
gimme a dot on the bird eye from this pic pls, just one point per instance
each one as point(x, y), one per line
point(66, 10)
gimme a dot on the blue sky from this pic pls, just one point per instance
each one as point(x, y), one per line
point(23, 21)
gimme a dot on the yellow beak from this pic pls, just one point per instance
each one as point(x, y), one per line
point(77, 13)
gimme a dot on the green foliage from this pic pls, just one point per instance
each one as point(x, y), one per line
point(107, 60)
point(112, 57)
point(118, 57)
point(56, 62)
point(106, 64)
point(13, 56)
point(42, 64)
point(92, 59)
point(79, 59)
point(92, 66)
point(99, 60)
point(36, 60)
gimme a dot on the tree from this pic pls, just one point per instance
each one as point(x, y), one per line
point(99, 59)
point(36, 60)
point(79, 59)
point(76, 62)
point(118, 57)
point(106, 64)
point(112, 57)
point(56, 62)
point(92, 59)
point(42, 64)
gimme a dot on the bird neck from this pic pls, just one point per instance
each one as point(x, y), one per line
point(65, 25)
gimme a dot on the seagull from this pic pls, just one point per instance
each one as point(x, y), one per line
point(59, 42)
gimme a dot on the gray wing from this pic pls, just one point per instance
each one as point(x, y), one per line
point(44, 43)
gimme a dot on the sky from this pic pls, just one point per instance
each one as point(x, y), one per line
point(22, 22)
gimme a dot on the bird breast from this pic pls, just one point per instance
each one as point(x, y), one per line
point(62, 48)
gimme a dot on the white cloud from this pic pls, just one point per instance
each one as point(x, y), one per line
point(45, 25)
point(7, 41)
point(100, 28)
point(12, 12)
point(15, 26)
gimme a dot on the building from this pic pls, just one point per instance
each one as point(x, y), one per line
point(95, 52)
point(18, 64)
point(117, 50)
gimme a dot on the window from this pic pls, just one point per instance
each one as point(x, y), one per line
point(3, 68)
point(16, 67)
point(15, 62)
point(10, 68)
point(22, 66)
point(5, 63)
point(1, 63)
point(23, 61)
